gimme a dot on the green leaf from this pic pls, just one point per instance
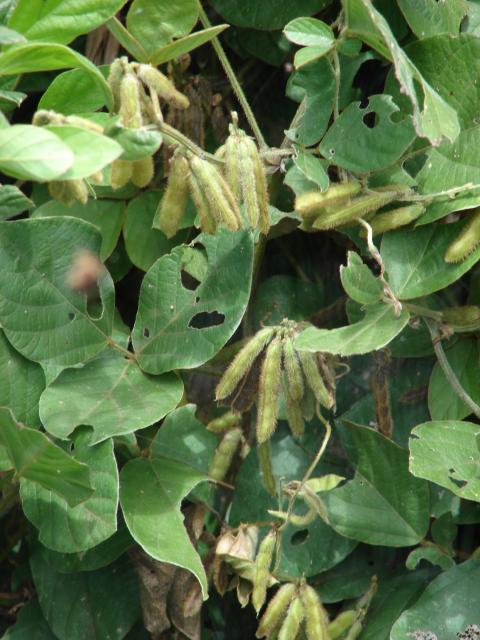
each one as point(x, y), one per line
point(155, 24)
point(184, 45)
point(22, 384)
point(383, 504)
point(11, 99)
point(432, 554)
point(151, 492)
point(268, 14)
point(111, 394)
point(106, 215)
point(359, 282)
point(414, 261)
point(446, 607)
point(307, 55)
point(32, 57)
point(136, 143)
point(13, 201)
point(61, 20)
point(309, 32)
point(29, 625)
point(379, 326)
point(42, 316)
point(74, 91)
point(428, 17)
point(443, 402)
point(172, 326)
point(9, 36)
point(312, 168)
point(72, 529)
point(33, 153)
point(34, 457)
point(90, 604)
point(446, 452)
point(376, 146)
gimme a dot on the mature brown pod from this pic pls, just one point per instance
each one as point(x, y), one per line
point(466, 241)
point(268, 390)
point(263, 561)
point(170, 211)
point(276, 609)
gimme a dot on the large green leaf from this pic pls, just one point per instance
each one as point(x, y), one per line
point(448, 605)
point(184, 45)
point(13, 201)
point(61, 20)
point(379, 326)
point(29, 625)
point(359, 282)
point(383, 504)
point(74, 91)
point(446, 452)
point(376, 146)
point(33, 153)
point(268, 14)
point(151, 492)
point(41, 315)
point(429, 17)
point(111, 394)
point(71, 529)
point(443, 402)
point(178, 327)
point(414, 261)
point(35, 457)
point(91, 604)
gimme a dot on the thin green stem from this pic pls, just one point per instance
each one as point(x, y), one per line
point(227, 67)
point(336, 75)
point(180, 138)
point(423, 312)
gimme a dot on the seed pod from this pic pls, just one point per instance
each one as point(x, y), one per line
point(83, 123)
point(342, 623)
point(268, 388)
point(294, 618)
point(155, 80)
point(314, 379)
point(261, 187)
point(224, 454)
point(115, 75)
point(170, 211)
point(294, 518)
point(120, 173)
point(466, 318)
point(142, 172)
point(315, 616)
point(130, 108)
point(242, 362)
point(355, 631)
point(293, 410)
point(276, 610)
point(224, 422)
point(262, 569)
point(57, 190)
point(338, 216)
point(247, 151)
point(293, 371)
point(266, 471)
point(232, 163)
point(466, 241)
point(69, 191)
point(208, 223)
point(394, 219)
point(311, 203)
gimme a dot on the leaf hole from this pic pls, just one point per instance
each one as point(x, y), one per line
point(188, 281)
point(146, 332)
point(370, 120)
point(299, 537)
point(206, 319)
point(71, 316)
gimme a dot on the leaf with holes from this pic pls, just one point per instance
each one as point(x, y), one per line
point(42, 316)
point(430, 17)
point(179, 327)
point(95, 395)
point(379, 140)
point(359, 282)
point(446, 452)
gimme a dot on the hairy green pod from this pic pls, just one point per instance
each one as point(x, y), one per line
point(157, 81)
point(314, 379)
point(69, 191)
point(316, 618)
point(355, 631)
point(228, 420)
point(311, 203)
point(232, 163)
point(248, 181)
point(466, 241)
point(294, 618)
point(142, 172)
point(293, 410)
point(342, 623)
point(293, 371)
point(224, 454)
point(130, 107)
point(276, 610)
point(242, 362)
point(357, 208)
point(207, 220)
point(120, 173)
point(171, 209)
point(266, 470)
point(466, 318)
point(115, 75)
point(261, 577)
point(268, 389)
point(261, 186)
point(296, 519)
point(394, 219)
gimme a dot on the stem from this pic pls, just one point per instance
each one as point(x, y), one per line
point(227, 67)
point(423, 312)
point(448, 371)
point(127, 354)
point(180, 138)
point(336, 74)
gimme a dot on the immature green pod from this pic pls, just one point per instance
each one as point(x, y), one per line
point(276, 609)
point(263, 561)
point(466, 318)
point(355, 631)
point(224, 454)
point(395, 219)
point(242, 362)
point(311, 203)
point(254, 185)
point(339, 216)
point(227, 421)
point(293, 410)
point(314, 379)
point(208, 223)
point(83, 123)
point(155, 80)
point(115, 75)
point(142, 172)
point(268, 389)
point(293, 370)
point(315, 616)
point(130, 108)
point(466, 241)
point(120, 173)
point(293, 620)
point(341, 624)
point(266, 471)
point(232, 163)
point(170, 211)
point(294, 518)
point(261, 187)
